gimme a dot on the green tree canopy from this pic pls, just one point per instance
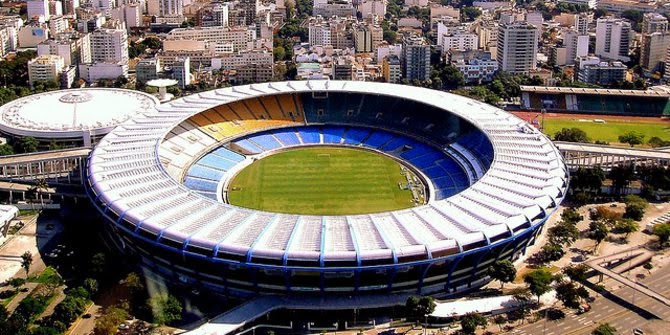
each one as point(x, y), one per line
point(503, 271)
point(632, 138)
point(572, 135)
point(662, 230)
point(472, 320)
point(604, 329)
point(539, 282)
point(598, 231)
point(635, 207)
point(166, 309)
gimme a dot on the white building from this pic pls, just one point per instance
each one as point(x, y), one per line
point(654, 22)
point(109, 46)
point(477, 70)
point(75, 48)
point(58, 24)
point(38, 9)
point(45, 68)
point(8, 40)
point(385, 49)
point(653, 49)
point(576, 45)
point(517, 47)
point(96, 71)
point(170, 7)
point(235, 36)
point(373, 7)
point(181, 71)
point(450, 38)
point(613, 38)
point(7, 214)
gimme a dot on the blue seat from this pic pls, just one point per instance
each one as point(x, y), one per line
point(266, 141)
point(394, 144)
point(200, 185)
point(216, 162)
point(229, 155)
point(248, 146)
point(287, 136)
point(426, 160)
point(204, 172)
point(354, 136)
point(310, 135)
point(377, 139)
point(332, 134)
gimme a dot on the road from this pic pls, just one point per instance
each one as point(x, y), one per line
point(623, 308)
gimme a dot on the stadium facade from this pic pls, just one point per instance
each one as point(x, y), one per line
point(160, 180)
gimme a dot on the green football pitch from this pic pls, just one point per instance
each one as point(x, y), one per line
point(321, 181)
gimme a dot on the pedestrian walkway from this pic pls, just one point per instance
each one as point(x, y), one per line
point(595, 264)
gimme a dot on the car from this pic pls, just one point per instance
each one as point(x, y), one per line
point(86, 316)
point(124, 326)
point(583, 308)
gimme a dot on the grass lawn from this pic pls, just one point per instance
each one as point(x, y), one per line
point(49, 275)
point(321, 181)
point(610, 130)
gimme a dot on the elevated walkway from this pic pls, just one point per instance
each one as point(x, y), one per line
point(636, 253)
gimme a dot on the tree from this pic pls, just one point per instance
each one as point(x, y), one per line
point(621, 176)
point(420, 307)
point(571, 215)
point(109, 321)
point(662, 230)
point(563, 233)
point(635, 18)
point(26, 261)
point(626, 227)
point(6, 149)
point(572, 135)
point(500, 321)
point(470, 13)
point(632, 138)
point(470, 322)
point(587, 179)
point(98, 263)
point(635, 207)
point(26, 144)
point(539, 282)
point(134, 283)
point(598, 231)
point(604, 329)
point(91, 286)
point(552, 252)
point(503, 271)
point(576, 272)
point(165, 308)
point(570, 294)
point(656, 142)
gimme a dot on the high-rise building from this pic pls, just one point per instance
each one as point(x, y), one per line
point(38, 8)
point(654, 22)
point(212, 15)
point(415, 58)
point(517, 47)
point(73, 47)
point(181, 71)
point(582, 23)
point(109, 46)
point(70, 6)
point(170, 7)
point(391, 69)
point(576, 45)
point(367, 37)
point(147, 69)
point(249, 9)
point(593, 71)
point(45, 68)
point(613, 38)
point(653, 49)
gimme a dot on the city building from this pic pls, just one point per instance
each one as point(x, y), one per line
point(653, 50)
point(592, 70)
point(213, 15)
point(456, 38)
point(33, 34)
point(613, 38)
point(58, 24)
point(147, 69)
point(249, 10)
point(620, 6)
point(343, 68)
point(38, 9)
point(477, 70)
point(45, 68)
point(74, 47)
point(391, 69)
point(517, 47)
point(415, 58)
point(367, 37)
point(576, 45)
point(654, 22)
point(231, 39)
point(170, 8)
point(181, 71)
point(373, 8)
point(93, 72)
point(109, 45)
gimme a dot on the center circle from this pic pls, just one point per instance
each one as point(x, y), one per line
point(326, 180)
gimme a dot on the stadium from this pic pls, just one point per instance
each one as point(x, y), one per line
point(163, 181)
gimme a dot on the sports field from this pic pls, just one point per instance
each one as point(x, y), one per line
point(608, 131)
point(321, 181)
